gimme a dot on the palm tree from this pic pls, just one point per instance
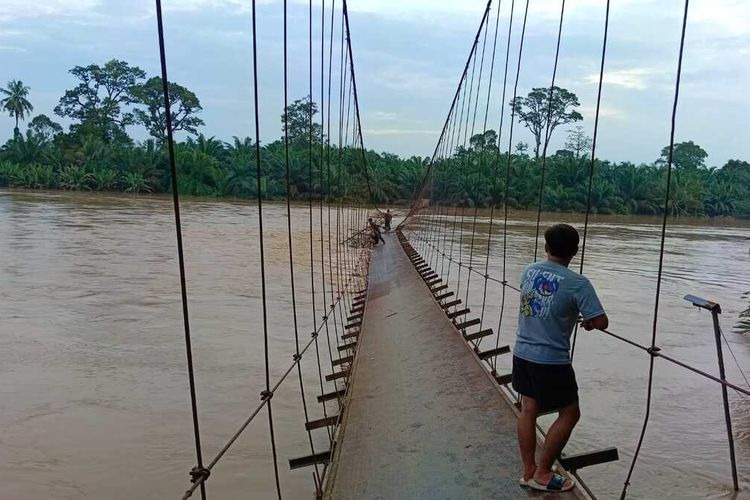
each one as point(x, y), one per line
point(15, 102)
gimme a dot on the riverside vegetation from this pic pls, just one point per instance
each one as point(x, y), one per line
point(96, 153)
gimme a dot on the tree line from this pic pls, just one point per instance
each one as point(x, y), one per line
point(97, 153)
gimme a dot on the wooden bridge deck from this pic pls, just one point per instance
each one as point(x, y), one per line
point(423, 419)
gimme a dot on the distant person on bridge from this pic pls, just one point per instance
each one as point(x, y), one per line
point(552, 297)
point(388, 218)
point(375, 231)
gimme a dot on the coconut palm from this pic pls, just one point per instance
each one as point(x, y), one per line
point(15, 102)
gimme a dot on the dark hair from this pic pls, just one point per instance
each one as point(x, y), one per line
point(562, 240)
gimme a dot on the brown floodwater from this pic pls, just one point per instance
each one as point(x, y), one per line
point(94, 399)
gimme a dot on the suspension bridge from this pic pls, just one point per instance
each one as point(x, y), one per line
point(412, 400)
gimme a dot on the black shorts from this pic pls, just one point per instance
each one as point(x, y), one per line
point(551, 386)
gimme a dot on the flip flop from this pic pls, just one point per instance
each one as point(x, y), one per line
point(523, 482)
point(556, 483)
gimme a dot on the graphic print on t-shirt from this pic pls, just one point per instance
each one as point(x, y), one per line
point(538, 292)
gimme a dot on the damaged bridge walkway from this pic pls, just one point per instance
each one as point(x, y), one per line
point(422, 418)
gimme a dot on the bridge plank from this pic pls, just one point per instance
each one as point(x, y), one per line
point(343, 361)
point(321, 422)
point(494, 352)
point(319, 458)
point(478, 335)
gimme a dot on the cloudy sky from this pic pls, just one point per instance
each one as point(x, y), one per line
point(408, 56)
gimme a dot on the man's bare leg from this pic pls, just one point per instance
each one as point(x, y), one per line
point(557, 437)
point(527, 436)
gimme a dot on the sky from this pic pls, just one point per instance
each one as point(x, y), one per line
point(409, 55)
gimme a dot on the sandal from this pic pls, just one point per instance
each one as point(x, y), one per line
point(556, 483)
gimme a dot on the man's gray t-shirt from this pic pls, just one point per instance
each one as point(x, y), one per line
point(552, 296)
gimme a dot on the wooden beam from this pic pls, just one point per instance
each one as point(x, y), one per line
point(451, 303)
point(344, 347)
point(443, 295)
point(343, 361)
point(319, 458)
point(494, 352)
point(352, 318)
point(456, 314)
point(438, 288)
point(321, 422)
point(575, 462)
point(478, 335)
point(467, 324)
point(352, 335)
point(337, 375)
point(332, 395)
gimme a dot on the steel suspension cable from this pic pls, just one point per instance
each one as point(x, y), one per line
point(495, 176)
point(467, 162)
point(289, 238)
point(547, 131)
point(339, 242)
point(328, 171)
point(356, 103)
point(481, 167)
point(258, 172)
point(310, 204)
point(321, 183)
point(199, 470)
point(661, 251)
point(593, 159)
point(507, 176)
point(417, 194)
point(448, 163)
point(455, 212)
point(199, 479)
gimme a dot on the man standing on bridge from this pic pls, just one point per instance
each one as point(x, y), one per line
point(552, 297)
point(375, 232)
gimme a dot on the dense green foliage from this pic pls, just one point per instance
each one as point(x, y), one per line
point(97, 153)
point(618, 188)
